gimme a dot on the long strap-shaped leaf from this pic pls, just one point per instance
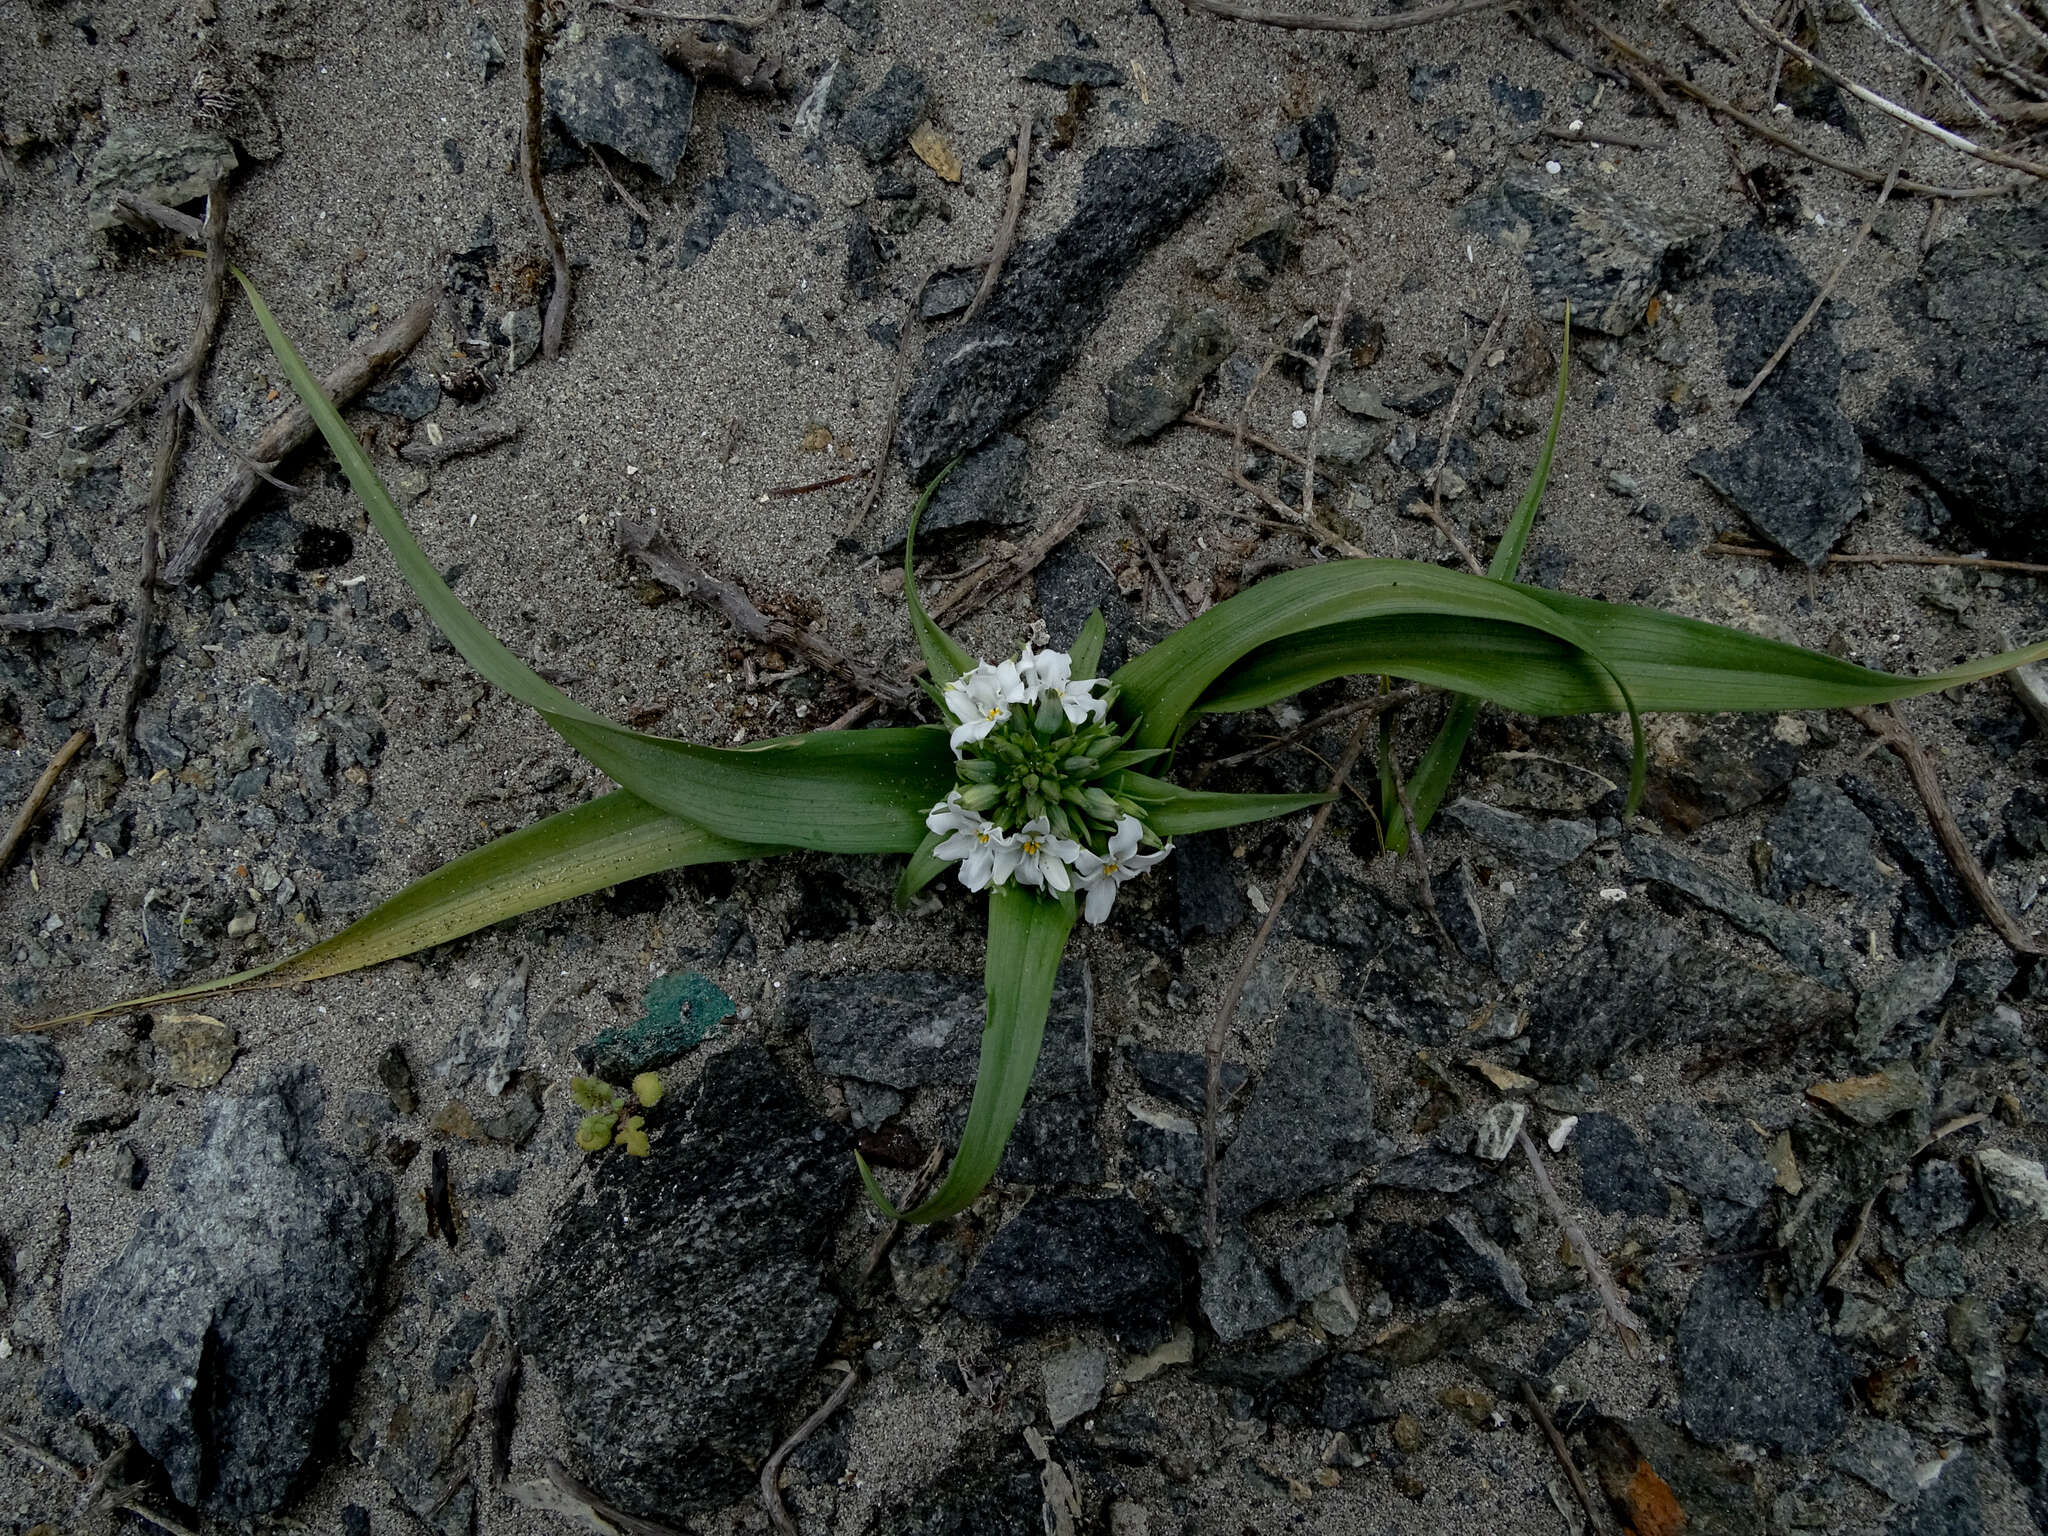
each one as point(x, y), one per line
point(1433, 774)
point(1176, 812)
point(841, 792)
point(1026, 934)
point(614, 838)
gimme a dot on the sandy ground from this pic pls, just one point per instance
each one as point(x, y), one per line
point(761, 340)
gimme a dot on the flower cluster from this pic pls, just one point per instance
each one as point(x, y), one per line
point(1031, 741)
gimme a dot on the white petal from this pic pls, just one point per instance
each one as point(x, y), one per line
point(1004, 858)
point(1101, 897)
point(1055, 873)
point(964, 844)
point(1124, 841)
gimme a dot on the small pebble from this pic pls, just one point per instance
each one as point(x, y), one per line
point(1300, 420)
point(1552, 167)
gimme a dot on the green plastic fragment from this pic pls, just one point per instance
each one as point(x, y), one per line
point(680, 1011)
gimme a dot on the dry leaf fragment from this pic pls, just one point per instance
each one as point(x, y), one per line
point(931, 147)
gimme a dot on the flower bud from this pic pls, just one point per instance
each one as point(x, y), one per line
point(1060, 824)
point(979, 797)
point(1080, 767)
point(1034, 807)
point(1007, 750)
point(1100, 804)
point(977, 770)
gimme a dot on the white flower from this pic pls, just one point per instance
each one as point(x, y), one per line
point(984, 851)
point(1046, 672)
point(980, 700)
point(1043, 857)
point(1101, 874)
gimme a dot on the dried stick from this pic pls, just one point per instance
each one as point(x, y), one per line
point(290, 431)
point(1909, 46)
point(783, 492)
point(1419, 858)
point(536, 195)
point(633, 1525)
point(1913, 120)
point(619, 187)
point(669, 566)
point(1889, 728)
point(1315, 414)
point(38, 793)
point(1006, 232)
point(1563, 1454)
point(1625, 1322)
point(1977, 562)
point(422, 450)
point(1180, 609)
point(170, 432)
point(1236, 475)
point(1600, 136)
point(878, 477)
point(1241, 437)
point(1765, 131)
point(760, 20)
point(47, 619)
point(771, 1470)
point(220, 440)
point(1219, 1026)
point(1396, 23)
point(1443, 447)
point(142, 210)
point(1374, 706)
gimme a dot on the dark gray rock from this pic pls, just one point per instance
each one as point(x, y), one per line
point(985, 492)
point(708, 1256)
point(407, 393)
point(1729, 1182)
point(1182, 1077)
point(1645, 982)
point(1971, 415)
point(2026, 1448)
point(31, 1075)
point(1481, 1263)
point(1935, 908)
point(1719, 766)
point(1434, 1170)
point(168, 166)
point(1070, 1259)
point(1539, 845)
point(1881, 1455)
point(914, 1029)
point(866, 255)
point(1936, 1273)
point(1952, 1506)
point(226, 1329)
point(745, 190)
point(1539, 782)
point(1154, 389)
point(1321, 139)
point(1400, 975)
point(1798, 476)
point(1069, 69)
point(1314, 1265)
point(947, 292)
point(1238, 1296)
point(1070, 585)
point(989, 1494)
point(1412, 1264)
point(1541, 922)
point(1895, 1012)
point(979, 378)
point(458, 1346)
point(1354, 1396)
point(418, 1454)
point(621, 94)
point(879, 123)
point(276, 719)
point(1308, 1124)
point(1605, 251)
point(1800, 940)
point(490, 1049)
point(1818, 839)
point(1457, 904)
point(1205, 882)
point(1054, 1142)
point(1615, 1174)
point(1769, 1377)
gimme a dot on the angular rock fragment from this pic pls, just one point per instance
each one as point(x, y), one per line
point(31, 1075)
point(977, 379)
point(1308, 1124)
point(879, 123)
point(1818, 839)
point(745, 190)
point(225, 1330)
point(1539, 845)
point(985, 492)
point(171, 167)
point(913, 1029)
point(1154, 389)
point(621, 94)
point(1751, 1373)
point(708, 1256)
point(1073, 1259)
point(1800, 940)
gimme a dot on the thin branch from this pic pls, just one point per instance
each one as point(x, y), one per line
point(1443, 448)
point(456, 445)
point(71, 622)
point(1180, 609)
point(536, 195)
point(1420, 858)
point(1376, 705)
point(619, 187)
point(783, 492)
point(1564, 1457)
point(220, 440)
point(1910, 46)
point(771, 1470)
point(1241, 437)
point(1219, 1026)
point(1863, 93)
point(291, 431)
point(878, 477)
point(760, 20)
point(1626, 1324)
point(38, 793)
point(1601, 136)
point(170, 434)
point(1889, 728)
point(1976, 562)
point(141, 210)
point(1315, 415)
point(592, 1500)
point(1013, 210)
point(1398, 22)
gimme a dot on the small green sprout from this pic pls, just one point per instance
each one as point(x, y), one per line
point(597, 1129)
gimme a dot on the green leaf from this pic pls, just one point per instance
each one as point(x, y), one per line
point(841, 792)
point(1175, 812)
point(603, 843)
point(1026, 935)
point(1131, 757)
point(1433, 774)
point(921, 871)
point(944, 657)
point(1087, 651)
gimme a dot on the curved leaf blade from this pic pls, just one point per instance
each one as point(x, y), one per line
point(921, 871)
point(1026, 935)
point(604, 842)
point(1176, 812)
point(840, 792)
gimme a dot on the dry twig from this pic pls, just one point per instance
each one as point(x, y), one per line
point(1377, 704)
point(169, 436)
point(1975, 562)
point(771, 1470)
point(669, 566)
point(71, 622)
point(1241, 437)
point(1601, 136)
point(1625, 1322)
point(1888, 727)
point(633, 1525)
point(633, 203)
point(289, 432)
point(39, 792)
point(140, 210)
point(1473, 362)
point(1563, 1454)
point(1180, 609)
point(760, 20)
point(1398, 22)
point(1315, 414)
point(1006, 232)
point(536, 195)
point(1219, 1026)
point(424, 450)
